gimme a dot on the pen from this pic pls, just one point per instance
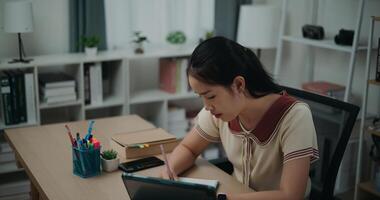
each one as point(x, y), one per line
point(78, 141)
point(90, 124)
point(170, 174)
point(70, 135)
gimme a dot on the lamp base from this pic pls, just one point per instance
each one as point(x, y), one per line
point(20, 60)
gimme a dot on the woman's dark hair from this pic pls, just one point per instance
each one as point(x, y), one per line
point(218, 60)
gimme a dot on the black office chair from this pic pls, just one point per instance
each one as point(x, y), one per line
point(333, 120)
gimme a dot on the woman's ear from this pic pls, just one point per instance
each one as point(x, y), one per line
point(238, 84)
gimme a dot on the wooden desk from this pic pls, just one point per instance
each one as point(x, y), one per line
point(45, 153)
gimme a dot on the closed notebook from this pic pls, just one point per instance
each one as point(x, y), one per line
point(143, 143)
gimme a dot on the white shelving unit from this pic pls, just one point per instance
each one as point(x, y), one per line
point(366, 186)
point(131, 79)
point(326, 43)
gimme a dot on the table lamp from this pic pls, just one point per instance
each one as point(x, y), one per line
point(18, 18)
point(258, 26)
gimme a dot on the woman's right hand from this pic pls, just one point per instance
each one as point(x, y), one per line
point(165, 175)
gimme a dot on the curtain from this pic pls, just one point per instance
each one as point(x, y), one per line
point(227, 17)
point(155, 19)
point(87, 18)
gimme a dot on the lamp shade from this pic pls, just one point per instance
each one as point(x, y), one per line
point(18, 17)
point(258, 26)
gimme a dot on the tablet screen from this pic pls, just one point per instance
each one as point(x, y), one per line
point(142, 188)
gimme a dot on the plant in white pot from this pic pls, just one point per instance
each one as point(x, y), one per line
point(110, 161)
point(139, 40)
point(90, 44)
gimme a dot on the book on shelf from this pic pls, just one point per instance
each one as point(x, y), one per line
point(14, 184)
point(5, 147)
point(7, 157)
point(87, 92)
point(7, 167)
point(96, 87)
point(13, 96)
point(60, 98)
point(172, 74)
point(30, 96)
point(48, 92)
point(143, 143)
point(21, 99)
point(57, 87)
point(378, 62)
point(18, 196)
point(55, 80)
point(6, 98)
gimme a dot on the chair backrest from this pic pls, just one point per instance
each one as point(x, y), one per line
point(333, 120)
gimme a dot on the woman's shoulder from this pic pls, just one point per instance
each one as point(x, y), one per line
point(298, 110)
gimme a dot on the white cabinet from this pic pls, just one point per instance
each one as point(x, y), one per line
point(129, 85)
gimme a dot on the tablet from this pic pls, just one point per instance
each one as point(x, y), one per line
point(143, 188)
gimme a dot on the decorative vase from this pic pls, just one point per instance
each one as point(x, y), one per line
point(91, 51)
point(110, 165)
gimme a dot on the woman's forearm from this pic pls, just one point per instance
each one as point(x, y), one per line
point(181, 159)
point(264, 195)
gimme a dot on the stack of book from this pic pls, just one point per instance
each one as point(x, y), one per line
point(177, 122)
point(15, 185)
point(17, 95)
point(173, 78)
point(57, 87)
point(7, 157)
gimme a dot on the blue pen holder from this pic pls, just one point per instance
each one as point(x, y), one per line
point(86, 162)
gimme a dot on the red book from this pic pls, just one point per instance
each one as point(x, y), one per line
point(168, 69)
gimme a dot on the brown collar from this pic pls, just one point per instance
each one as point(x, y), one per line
point(266, 126)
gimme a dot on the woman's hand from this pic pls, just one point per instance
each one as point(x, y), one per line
point(165, 175)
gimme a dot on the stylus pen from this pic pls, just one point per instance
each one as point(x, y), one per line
point(170, 174)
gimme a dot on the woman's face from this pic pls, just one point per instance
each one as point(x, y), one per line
point(222, 102)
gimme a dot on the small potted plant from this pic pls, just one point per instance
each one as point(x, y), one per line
point(110, 161)
point(139, 40)
point(90, 44)
point(176, 38)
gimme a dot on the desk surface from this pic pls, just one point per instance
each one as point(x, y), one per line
point(45, 153)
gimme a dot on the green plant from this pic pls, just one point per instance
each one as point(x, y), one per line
point(209, 34)
point(176, 37)
point(90, 41)
point(109, 154)
point(139, 38)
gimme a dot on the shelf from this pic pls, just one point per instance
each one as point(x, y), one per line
point(109, 101)
point(60, 104)
point(374, 82)
point(29, 123)
point(369, 187)
point(163, 51)
point(158, 95)
point(326, 43)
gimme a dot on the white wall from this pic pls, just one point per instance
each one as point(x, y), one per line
point(51, 30)
point(51, 36)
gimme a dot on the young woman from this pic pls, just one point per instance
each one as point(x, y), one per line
point(268, 136)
